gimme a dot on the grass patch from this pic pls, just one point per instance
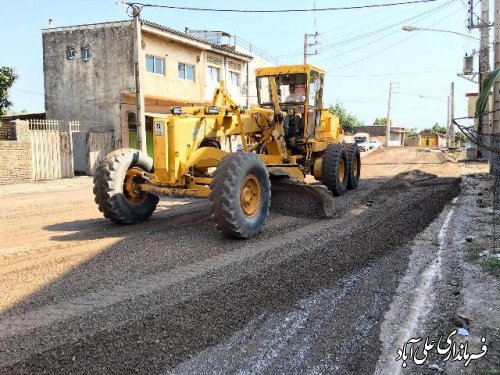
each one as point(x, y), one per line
point(457, 154)
point(488, 371)
point(492, 265)
point(473, 251)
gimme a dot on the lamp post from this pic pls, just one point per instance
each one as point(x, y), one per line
point(484, 46)
point(414, 28)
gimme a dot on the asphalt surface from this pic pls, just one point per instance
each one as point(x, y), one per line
point(82, 295)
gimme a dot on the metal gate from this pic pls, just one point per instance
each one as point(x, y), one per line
point(51, 150)
point(91, 144)
point(55, 145)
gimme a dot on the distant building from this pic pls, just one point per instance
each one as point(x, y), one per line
point(432, 139)
point(426, 138)
point(89, 74)
point(378, 133)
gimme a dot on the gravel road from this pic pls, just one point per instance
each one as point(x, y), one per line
point(173, 296)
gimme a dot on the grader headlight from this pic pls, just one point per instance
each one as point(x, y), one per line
point(176, 110)
point(212, 110)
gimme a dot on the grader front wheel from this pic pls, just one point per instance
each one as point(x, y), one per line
point(115, 191)
point(240, 195)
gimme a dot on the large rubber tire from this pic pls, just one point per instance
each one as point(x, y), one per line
point(334, 169)
point(227, 198)
point(109, 191)
point(354, 163)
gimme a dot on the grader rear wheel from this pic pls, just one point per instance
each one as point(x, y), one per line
point(335, 168)
point(240, 196)
point(114, 187)
point(354, 162)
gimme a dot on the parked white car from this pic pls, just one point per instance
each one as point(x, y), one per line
point(362, 140)
point(362, 145)
point(373, 145)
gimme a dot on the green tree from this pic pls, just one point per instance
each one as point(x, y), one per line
point(439, 129)
point(347, 120)
point(412, 132)
point(7, 79)
point(460, 138)
point(381, 121)
point(436, 128)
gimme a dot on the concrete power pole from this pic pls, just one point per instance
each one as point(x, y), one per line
point(496, 87)
point(139, 94)
point(449, 122)
point(305, 48)
point(388, 126)
point(484, 64)
point(452, 115)
point(307, 45)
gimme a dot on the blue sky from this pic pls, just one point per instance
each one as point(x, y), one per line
point(361, 50)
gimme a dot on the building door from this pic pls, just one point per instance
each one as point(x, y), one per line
point(132, 132)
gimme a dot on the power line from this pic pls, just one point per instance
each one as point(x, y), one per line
point(368, 34)
point(392, 74)
point(382, 50)
point(419, 17)
point(280, 10)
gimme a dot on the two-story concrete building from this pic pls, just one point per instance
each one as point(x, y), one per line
point(90, 75)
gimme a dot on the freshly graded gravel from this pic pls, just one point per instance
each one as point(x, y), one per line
point(173, 296)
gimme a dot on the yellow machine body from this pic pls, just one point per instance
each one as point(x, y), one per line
point(185, 143)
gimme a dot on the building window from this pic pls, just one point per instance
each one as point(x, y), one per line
point(155, 64)
point(234, 78)
point(213, 74)
point(70, 53)
point(85, 53)
point(186, 71)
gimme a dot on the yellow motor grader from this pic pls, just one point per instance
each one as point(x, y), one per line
point(272, 146)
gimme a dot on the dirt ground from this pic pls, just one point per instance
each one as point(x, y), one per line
point(83, 295)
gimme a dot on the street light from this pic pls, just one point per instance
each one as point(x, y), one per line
point(413, 28)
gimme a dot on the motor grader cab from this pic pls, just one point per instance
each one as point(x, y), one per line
point(300, 95)
point(288, 136)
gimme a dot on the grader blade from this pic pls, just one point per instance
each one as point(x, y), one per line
point(293, 198)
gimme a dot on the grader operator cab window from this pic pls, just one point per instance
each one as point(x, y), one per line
point(292, 88)
point(315, 103)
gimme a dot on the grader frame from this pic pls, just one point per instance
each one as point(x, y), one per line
point(186, 153)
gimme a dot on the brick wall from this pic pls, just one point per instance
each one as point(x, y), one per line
point(15, 161)
point(4, 129)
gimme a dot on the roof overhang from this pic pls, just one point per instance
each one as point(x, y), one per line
point(179, 37)
point(288, 69)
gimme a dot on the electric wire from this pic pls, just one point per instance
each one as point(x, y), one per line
point(382, 50)
point(141, 5)
point(369, 33)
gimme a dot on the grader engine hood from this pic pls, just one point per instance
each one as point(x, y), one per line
point(177, 142)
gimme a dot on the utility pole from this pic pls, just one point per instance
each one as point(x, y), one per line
point(496, 87)
point(484, 65)
point(449, 122)
point(307, 45)
point(388, 126)
point(452, 115)
point(139, 94)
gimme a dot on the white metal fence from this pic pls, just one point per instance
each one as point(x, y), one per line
point(53, 148)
